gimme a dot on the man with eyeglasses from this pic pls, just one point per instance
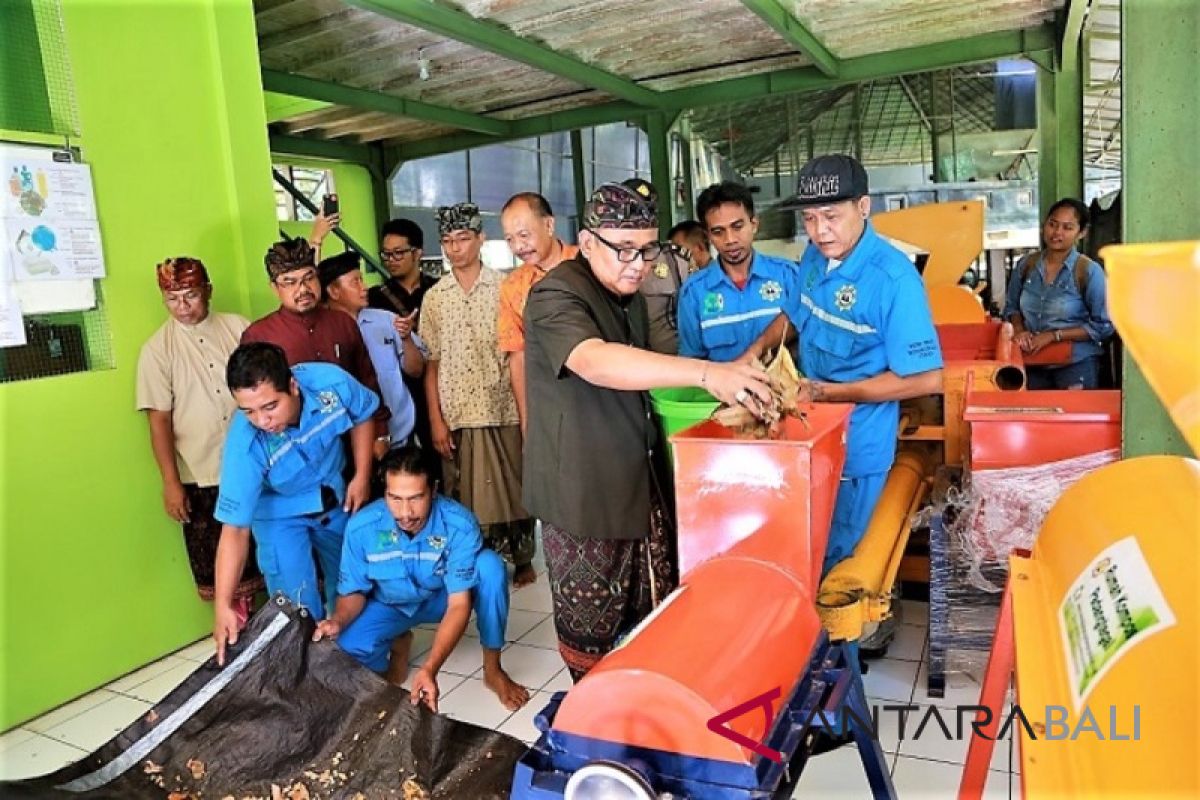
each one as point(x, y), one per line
point(724, 307)
point(181, 387)
point(308, 331)
point(401, 243)
point(594, 472)
point(472, 411)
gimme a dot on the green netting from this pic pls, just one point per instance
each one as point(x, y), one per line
point(36, 91)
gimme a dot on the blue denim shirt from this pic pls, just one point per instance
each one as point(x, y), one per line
point(1057, 306)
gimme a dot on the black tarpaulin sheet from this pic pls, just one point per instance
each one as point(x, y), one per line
point(287, 719)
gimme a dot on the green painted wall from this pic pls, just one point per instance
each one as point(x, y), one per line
point(95, 581)
point(1160, 152)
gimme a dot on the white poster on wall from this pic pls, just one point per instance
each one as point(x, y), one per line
point(49, 217)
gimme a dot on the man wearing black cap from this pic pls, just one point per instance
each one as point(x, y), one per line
point(866, 334)
point(394, 348)
point(591, 457)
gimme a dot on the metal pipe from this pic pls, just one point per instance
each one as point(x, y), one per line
point(858, 590)
point(300, 198)
point(1010, 375)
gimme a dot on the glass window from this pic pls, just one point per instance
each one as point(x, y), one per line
point(431, 182)
point(500, 171)
point(312, 183)
point(643, 150)
point(558, 183)
point(616, 146)
point(556, 143)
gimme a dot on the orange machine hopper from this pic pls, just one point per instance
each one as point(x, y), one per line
point(736, 629)
point(1019, 429)
point(761, 498)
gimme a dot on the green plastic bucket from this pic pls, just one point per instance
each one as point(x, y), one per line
point(677, 409)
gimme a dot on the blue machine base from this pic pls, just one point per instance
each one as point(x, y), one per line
point(827, 697)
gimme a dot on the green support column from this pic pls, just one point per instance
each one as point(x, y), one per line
point(657, 126)
point(689, 190)
point(580, 178)
point(1160, 153)
point(1060, 129)
point(94, 580)
point(382, 169)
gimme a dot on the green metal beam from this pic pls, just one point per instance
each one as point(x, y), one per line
point(321, 148)
point(795, 33)
point(525, 128)
point(1073, 30)
point(883, 65)
point(369, 100)
point(464, 28)
point(987, 47)
point(1160, 155)
point(658, 127)
point(1060, 131)
point(579, 178)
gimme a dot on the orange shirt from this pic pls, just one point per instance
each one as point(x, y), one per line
point(510, 326)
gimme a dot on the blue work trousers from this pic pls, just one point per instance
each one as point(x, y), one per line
point(856, 501)
point(369, 637)
point(285, 556)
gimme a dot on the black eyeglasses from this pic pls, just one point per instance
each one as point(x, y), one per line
point(395, 255)
point(627, 255)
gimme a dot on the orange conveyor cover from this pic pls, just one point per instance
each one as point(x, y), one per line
point(753, 522)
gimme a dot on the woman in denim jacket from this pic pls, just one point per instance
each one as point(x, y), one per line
point(1059, 295)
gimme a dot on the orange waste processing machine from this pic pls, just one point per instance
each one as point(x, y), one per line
point(740, 632)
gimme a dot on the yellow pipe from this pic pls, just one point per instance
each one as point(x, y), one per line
point(858, 590)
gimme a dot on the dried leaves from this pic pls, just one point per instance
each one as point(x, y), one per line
point(784, 381)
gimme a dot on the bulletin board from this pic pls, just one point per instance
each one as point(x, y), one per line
point(51, 262)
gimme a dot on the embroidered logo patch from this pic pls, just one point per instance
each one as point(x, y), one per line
point(846, 297)
point(771, 291)
point(387, 538)
point(328, 401)
point(810, 280)
point(660, 270)
point(714, 302)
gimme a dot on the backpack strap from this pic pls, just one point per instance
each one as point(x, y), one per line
point(1083, 266)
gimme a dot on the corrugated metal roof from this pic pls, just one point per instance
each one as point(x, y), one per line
point(659, 44)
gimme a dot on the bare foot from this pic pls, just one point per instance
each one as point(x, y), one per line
point(523, 576)
point(397, 669)
point(512, 694)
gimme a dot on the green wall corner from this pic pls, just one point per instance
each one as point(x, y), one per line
point(95, 577)
point(1160, 153)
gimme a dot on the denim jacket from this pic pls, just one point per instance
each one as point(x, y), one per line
point(1057, 306)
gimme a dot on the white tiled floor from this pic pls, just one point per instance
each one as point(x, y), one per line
point(928, 767)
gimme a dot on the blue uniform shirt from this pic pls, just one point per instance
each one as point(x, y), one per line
point(718, 321)
point(387, 356)
point(382, 561)
point(268, 476)
point(865, 317)
point(1056, 306)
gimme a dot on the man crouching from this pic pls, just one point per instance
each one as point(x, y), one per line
point(412, 557)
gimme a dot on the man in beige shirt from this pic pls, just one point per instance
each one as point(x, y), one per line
point(472, 412)
point(181, 387)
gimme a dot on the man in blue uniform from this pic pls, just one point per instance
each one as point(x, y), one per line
point(865, 334)
point(725, 306)
point(414, 556)
point(281, 476)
